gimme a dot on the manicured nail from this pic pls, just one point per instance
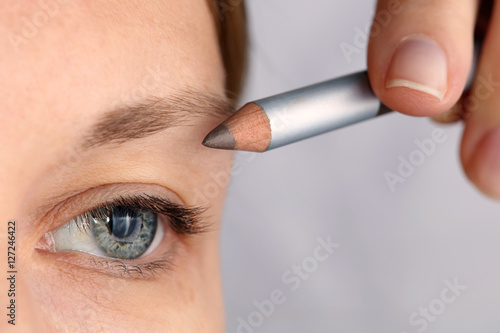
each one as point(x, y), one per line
point(420, 64)
point(486, 163)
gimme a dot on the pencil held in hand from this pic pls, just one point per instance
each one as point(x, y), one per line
point(303, 113)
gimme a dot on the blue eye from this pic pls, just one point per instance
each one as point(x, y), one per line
point(112, 231)
point(124, 233)
point(124, 229)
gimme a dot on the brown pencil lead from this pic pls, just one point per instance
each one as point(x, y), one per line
point(220, 138)
point(248, 129)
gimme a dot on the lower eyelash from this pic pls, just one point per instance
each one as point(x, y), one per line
point(120, 268)
point(133, 271)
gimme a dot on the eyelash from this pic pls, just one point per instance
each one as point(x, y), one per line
point(124, 269)
point(182, 220)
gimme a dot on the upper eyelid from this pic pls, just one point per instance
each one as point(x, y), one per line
point(61, 209)
point(52, 206)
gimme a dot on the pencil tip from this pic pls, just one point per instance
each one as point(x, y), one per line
point(220, 138)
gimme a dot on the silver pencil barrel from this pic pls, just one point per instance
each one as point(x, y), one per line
point(320, 108)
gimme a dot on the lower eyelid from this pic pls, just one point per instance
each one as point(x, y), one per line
point(120, 268)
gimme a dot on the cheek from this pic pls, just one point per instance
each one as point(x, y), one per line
point(69, 299)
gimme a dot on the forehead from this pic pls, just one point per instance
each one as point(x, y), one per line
point(65, 62)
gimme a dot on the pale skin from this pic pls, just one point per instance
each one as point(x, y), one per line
point(89, 58)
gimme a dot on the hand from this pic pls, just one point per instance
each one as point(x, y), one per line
point(419, 57)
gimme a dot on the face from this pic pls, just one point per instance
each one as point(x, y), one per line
point(116, 203)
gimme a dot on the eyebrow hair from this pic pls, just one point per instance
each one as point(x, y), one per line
point(153, 115)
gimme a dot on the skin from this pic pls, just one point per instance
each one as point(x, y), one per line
point(451, 25)
point(89, 57)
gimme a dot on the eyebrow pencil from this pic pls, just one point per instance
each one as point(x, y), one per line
point(299, 114)
point(292, 116)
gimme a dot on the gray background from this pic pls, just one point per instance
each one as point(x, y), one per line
point(396, 248)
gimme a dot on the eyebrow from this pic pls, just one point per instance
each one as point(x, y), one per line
point(153, 115)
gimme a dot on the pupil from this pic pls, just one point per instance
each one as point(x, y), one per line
point(124, 222)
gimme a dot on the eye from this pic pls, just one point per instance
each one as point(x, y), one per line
point(125, 233)
point(118, 232)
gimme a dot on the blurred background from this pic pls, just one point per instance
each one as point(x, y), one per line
point(416, 256)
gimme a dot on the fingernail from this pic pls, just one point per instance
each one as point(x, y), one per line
point(420, 64)
point(486, 163)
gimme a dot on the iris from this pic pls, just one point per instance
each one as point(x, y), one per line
point(124, 233)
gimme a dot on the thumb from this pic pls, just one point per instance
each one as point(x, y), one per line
point(419, 61)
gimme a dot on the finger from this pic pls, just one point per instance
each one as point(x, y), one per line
point(452, 115)
point(457, 112)
point(420, 53)
point(480, 150)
